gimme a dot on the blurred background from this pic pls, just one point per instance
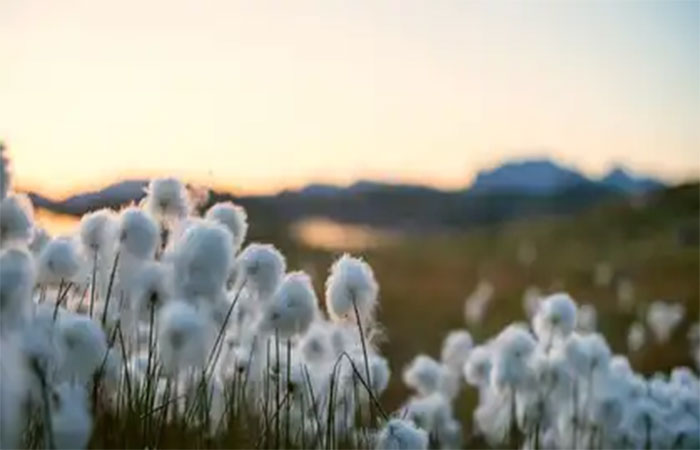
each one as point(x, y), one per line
point(478, 154)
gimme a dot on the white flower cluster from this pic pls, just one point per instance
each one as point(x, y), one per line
point(155, 307)
point(156, 311)
point(554, 387)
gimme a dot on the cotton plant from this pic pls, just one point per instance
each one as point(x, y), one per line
point(603, 274)
point(663, 318)
point(531, 300)
point(157, 313)
point(625, 294)
point(636, 337)
point(554, 387)
point(477, 302)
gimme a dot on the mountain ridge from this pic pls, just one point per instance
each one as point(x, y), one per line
point(514, 189)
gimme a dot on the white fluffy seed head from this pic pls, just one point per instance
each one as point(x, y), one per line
point(293, 308)
point(663, 318)
point(261, 269)
point(85, 346)
point(555, 318)
point(586, 318)
point(181, 337)
point(13, 390)
point(138, 233)
point(429, 412)
point(315, 344)
point(98, 231)
point(607, 411)
point(167, 199)
point(151, 289)
point(17, 275)
point(16, 220)
point(59, 260)
point(597, 351)
point(350, 285)
point(513, 348)
point(553, 375)
point(456, 348)
point(636, 337)
point(477, 368)
point(380, 373)
point(400, 434)
point(40, 238)
point(70, 416)
point(234, 218)
point(202, 260)
point(424, 374)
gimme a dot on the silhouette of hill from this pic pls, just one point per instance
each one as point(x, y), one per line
point(520, 189)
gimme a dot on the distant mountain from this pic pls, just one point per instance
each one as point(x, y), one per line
point(620, 178)
point(545, 177)
point(539, 176)
point(112, 196)
point(514, 190)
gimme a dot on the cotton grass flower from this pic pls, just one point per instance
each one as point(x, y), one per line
point(424, 375)
point(70, 417)
point(59, 261)
point(586, 318)
point(261, 269)
point(555, 318)
point(151, 289)
point(84, 344)
point(663, 318)
point(429, 412)
point(351, 285)
point(202, 261)
point(293, 308)
point(13, 390)
point(400, 434)
point(455, 349)
point(181, 337)
point(18, 274)
point(531, 301)
point(315, 344)
point(625, 294)
point(636, 337)
point(16, 220)
point(602, 274)
point(512, 350)
point(40, 238)
point(167, 200)
point(138, 234)
point(476, 304)
point(477, 367)
point(234, 218)
point(98, 231)
point(597, 352)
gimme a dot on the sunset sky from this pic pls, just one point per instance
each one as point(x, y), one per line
point(261, 95)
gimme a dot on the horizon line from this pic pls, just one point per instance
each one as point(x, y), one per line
point(229, 188)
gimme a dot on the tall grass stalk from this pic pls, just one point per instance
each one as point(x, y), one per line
point(93, 284)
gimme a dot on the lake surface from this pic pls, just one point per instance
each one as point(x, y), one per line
point(319, 233)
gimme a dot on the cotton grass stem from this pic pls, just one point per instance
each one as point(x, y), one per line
point(93, 283)
point(109, 288)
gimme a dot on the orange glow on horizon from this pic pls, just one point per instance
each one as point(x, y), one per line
point(253, 98)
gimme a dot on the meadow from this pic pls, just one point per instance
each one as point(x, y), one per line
point(153, 326)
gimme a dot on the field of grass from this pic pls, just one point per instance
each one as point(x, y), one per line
point(650, 247)
point(424, 280)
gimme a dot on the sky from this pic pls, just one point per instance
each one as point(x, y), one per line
point(257, 96)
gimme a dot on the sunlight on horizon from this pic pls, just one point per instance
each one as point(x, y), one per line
point(257, 97)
